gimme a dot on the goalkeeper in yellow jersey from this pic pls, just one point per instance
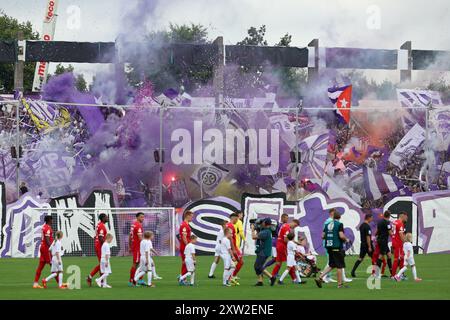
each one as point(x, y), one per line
point(240, 239)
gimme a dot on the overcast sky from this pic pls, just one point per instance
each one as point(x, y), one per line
point(362, 23)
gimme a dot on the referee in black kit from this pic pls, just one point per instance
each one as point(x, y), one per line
point(384, 231)
point(366, 242)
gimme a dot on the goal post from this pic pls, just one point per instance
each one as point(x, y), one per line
point(79, 224)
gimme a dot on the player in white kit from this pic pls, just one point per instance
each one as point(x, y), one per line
point(146, 262)
point(189, 253)
point(56, 264)
point(226, 253)
point(216, 261)
point(409, 259)
point(105, 265)
point(291, 263)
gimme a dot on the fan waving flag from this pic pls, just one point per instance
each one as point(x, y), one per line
point(341, 97)
point(377, 184)
point(313, 156)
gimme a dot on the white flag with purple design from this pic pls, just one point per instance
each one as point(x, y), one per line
point(377, 184)
point(313, 156)
point(406, 148)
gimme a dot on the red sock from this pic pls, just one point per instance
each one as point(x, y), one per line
point(383, 267)
point(57, 279)
point(238, 267)
point(39, 271)
point(132, 273)
point(276, 269)
point(95, 270)
point(292, 273)
point(183, 268)
point(394, 267)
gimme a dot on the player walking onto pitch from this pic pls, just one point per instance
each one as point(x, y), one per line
point(398, 238)
point(366, 242)
point(146, 262)
point(236, 251)
point(105, 265)
point(134, 241)
point(384, 231)
point(226, 253)
point(56, 265)
point(184, 234)
point(282, 241)
point(217, 250)
point(44, 250)
point(409, 259)
point(100, 233)
point(189, 253)
point(290, 261)
point(333, 234)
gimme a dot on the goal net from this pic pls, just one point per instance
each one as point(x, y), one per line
point(79, 224)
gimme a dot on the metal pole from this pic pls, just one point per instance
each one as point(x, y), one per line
point(161, 150)
point(17, 150)
point(18, 87)
point(296, 154)
point(427, 148)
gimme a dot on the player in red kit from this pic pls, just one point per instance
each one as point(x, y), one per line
point(100, 234)
point(184, 234)
point(281, 247)
point(134, 241)
point(398, 237)
point(234, 248)
point(44, 250)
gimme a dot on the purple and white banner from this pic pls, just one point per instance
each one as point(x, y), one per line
point(434, 220)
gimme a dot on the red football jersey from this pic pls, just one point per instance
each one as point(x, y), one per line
point(46, 232)
point(233, 232)
point(136, 230)
point(100, 231)
point(399, 227)
point(184, 228)
point(284, 231)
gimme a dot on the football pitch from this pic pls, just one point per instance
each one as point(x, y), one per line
point(16, 278)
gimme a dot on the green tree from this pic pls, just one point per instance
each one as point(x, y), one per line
point(255, 37)
point(292, 80)
point(161, 70)
point(9, 27)
point(60, 69)
point(80, 82)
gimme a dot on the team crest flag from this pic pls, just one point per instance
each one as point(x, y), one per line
point(209, 176)
point(341, 97)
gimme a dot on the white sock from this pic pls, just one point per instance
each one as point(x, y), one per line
point(60, 279)
point(102, 277)
point(285, 273)
point(213, 268)
point(225, 275)
point(154, 270)
point(184, 276)
point(297, 274)
point(192, 277)
point(138, 275)
point(328, 274)
point(105, 280)
point(402, 270)
point(414, 272)
point(149, 278)
point(343, 274)
point(51, 276)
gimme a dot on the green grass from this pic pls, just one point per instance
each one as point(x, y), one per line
point(16, 277)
